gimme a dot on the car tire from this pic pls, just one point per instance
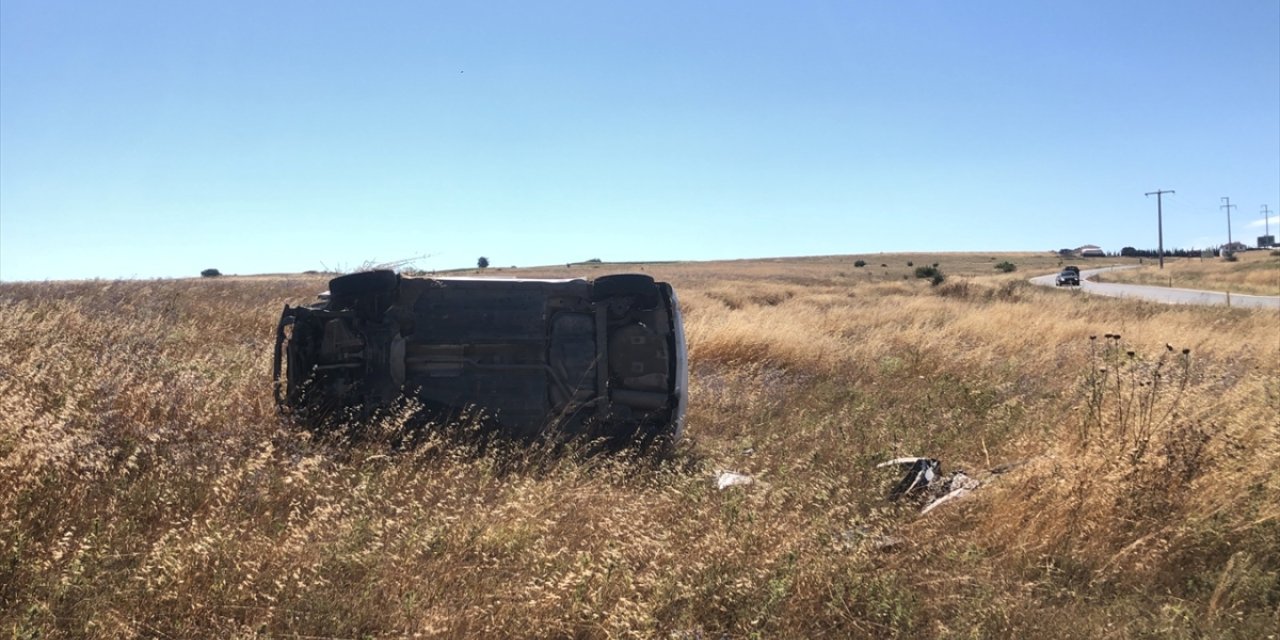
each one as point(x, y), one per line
point(369, 293)
point(635, 285)
point(363, 283)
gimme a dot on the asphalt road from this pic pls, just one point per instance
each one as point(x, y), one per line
point(1161, 294)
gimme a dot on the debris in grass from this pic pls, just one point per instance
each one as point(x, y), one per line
point(959, 486)
point(728, 479)
point(925, 481)
point(921, 473)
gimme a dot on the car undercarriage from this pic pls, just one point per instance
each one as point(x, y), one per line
point(601, 358)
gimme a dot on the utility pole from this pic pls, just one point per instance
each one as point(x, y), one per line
point(1160, 219)
point(1266, 219)
point(1228, 206)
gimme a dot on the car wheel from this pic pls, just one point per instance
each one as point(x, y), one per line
point(363, 283)
point(370, 293)
point(635, 285)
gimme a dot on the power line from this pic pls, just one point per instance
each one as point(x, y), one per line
point(1160, 219)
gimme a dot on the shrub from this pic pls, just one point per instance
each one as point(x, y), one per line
point(1005, 267)
point(210, 273)
point(932, 273)
point(482, 263)
point(863, 263)
point(910, 263)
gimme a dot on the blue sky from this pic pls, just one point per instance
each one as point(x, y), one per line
point(156, 139)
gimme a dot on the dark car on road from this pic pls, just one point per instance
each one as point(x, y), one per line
point(1070, 277)
point(601, 358)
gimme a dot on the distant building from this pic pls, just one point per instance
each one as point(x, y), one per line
point(1090, 251)
point(1235, 246)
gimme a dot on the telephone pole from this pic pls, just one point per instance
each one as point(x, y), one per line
point(1228, 206)
point(1160, 219)
point(1266, 219)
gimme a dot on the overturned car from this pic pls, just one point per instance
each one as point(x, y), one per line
point(602, 358)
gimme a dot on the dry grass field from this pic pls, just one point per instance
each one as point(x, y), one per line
point(148, 487)
point(1254, 272)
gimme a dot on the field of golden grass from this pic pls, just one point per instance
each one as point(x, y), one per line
point(148, 487)
point(1253, 272)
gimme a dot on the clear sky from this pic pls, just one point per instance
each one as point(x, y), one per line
point(156, 139)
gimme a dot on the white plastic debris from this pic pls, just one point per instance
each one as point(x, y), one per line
point(908, 460)
point(728, 479)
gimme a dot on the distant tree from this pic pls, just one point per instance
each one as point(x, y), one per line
point(1129, 252)
point(482, 263)
point(1006, 267)
point(859, 263)
point(910, 263)
point(210, 273)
